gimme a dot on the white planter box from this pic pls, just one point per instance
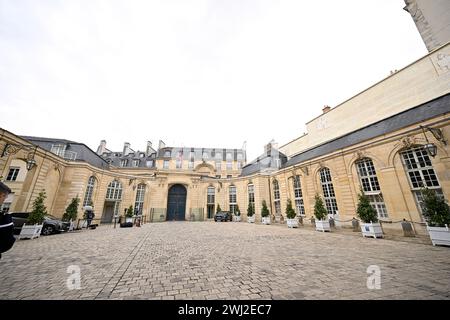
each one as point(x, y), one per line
point(30, 231)
point(236, 218)
point(292, 223)
point(323, 225)
point(372, 230)
point(127, 219)
point(265, 220)
point(439, 235)
point(251, 219)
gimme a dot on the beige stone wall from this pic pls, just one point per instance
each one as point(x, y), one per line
point(432, 19)
point(422, 81)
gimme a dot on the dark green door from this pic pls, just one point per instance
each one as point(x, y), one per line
point(176, 203)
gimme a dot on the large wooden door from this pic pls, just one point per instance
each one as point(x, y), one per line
point(176, 203)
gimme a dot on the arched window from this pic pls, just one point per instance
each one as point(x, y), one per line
point(298, 195)
point(139, 204)
point(114, 191)
point(233, 199)
point(371, 188)
point(328, 191)
point(276, 197)
point(251, 195)
point(420, 171)
point(211, 201)
point(89, 192)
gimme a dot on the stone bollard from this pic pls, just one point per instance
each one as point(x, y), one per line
point(313, 221)
point(300, 220)
point(407, 229)
point(355, 225)
point(332, 222)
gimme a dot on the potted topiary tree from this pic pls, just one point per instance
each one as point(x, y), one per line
point(71, 213)
point(370, 226)
point(129, 214)
point(237, 214)
point(437, 216)
point(265, 214)
point(35, 219)
point(321, 214)
point(250, 213)
point(292, 222)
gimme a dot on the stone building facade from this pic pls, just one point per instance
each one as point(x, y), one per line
point(380, 140)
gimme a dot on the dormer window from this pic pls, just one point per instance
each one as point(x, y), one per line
point(58, 149)
point(124, 162)
point(167, 154)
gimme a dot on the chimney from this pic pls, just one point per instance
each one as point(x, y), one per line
point(161, 144)
point(126, 149)
point(101, 148)
point(325, 109)
point(149, 149)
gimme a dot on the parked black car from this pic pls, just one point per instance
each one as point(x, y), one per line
point(51, 224)
point(223, 216)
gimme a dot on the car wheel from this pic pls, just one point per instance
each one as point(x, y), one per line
point(47, 230)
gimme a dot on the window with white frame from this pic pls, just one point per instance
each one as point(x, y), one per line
point(149, 163)
point(328, 191)
point(276, 198)
point(233, 199)
point(139, 203)
point(166, 164)
point(219, 156)
point(167, 154)
point(218, 165)
point(229, 165)
point(191, 164)
point(205, 156)
point(114, 191)
point(58, 149)
point(239, 165)
point(124, 162)
point(89, 192)
point(251, 195)
point(211, 196)
point(421, 174)
point(179, 163)
point(298, 195)
point(135, 163)
point(229, 156)
point(370, 185)
point(13, 173)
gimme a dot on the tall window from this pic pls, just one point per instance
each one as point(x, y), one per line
point(211, 201)
point(136, 163)
point(276, 198)
point(166, 164)
point(371, 187)
point(149, 163)
point(328, 191)
point(218, 165)
point(114, 191)
point(89, 192)
point(229, 165)
point(58, 149)
point(298, 195)
point(139, 204)
point(233, 199)
point(167, 154)
point(251, 195)
point(420, 173)
point(12, 174)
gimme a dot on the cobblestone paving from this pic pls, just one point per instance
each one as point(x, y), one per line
point(207, 260)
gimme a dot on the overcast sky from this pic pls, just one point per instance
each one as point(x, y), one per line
point(207, 73)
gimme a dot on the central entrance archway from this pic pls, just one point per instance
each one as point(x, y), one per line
point(176, 203)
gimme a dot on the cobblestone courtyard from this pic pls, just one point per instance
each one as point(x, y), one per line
point(207, 260)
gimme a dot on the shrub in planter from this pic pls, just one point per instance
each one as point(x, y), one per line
point(218, 208)
point(437, 215)
point(370, 226)
point(265, 214)
point(35, 219)
point(250, 213)
point(71, 210)
point(292, 222)
point(320, 213)
point(129, 214)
